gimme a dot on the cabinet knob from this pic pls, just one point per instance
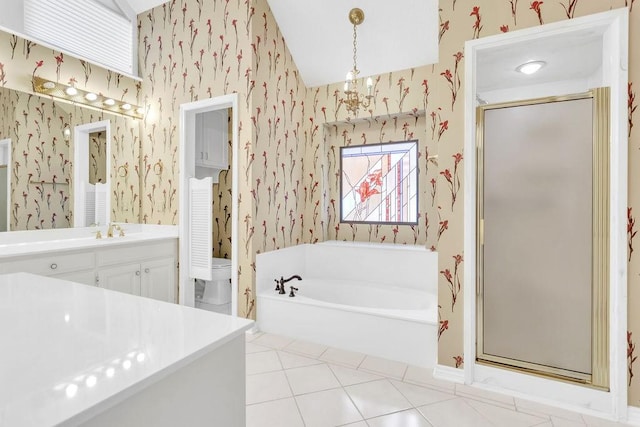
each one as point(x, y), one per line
point(54, 266)
point(146, 270)
point(138, 273)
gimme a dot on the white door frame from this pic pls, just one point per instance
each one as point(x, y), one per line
point(5, 145)
point(612, 404)
point(188, 111)
point(81, 168)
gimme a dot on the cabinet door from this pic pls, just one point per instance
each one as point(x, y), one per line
point(122, 278)
point(212, 139)
point(158, 279)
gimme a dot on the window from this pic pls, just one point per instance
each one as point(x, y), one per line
point(379, 183)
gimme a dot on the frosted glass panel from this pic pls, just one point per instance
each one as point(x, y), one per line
point(538, 234)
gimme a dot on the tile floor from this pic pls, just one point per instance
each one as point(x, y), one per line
point(293, 383)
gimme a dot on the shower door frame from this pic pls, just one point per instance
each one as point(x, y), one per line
point(599, 376)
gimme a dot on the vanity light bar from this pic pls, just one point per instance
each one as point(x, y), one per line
point(86, 98)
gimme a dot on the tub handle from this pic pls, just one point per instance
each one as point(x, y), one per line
point(279, 284)
point(291, 293)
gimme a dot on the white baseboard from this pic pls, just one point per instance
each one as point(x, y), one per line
point(448, 373)
point(633, 415)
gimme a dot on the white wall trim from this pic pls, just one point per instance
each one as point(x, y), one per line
point(187, 170)
point(447, 373)
point(614, 403)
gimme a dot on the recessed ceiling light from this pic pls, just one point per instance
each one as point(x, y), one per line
point(530, 67)
point(109, 102)
point(48, 85)
point(71, 91)
point(126, 107)
point(90, 96)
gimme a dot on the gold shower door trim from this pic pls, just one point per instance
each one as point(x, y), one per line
point(599, 377)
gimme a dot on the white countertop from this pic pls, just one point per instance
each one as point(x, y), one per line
point(70, 351)
point(38, 241)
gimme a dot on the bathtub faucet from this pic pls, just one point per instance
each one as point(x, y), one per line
point(280, 283)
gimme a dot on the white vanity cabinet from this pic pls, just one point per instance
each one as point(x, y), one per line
point(148, 270)
point(144, 268)
point(212, 139)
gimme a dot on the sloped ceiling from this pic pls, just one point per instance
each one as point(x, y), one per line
point(395, 35)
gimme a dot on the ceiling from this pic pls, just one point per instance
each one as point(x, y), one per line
point(572, 56)
point(395, 35)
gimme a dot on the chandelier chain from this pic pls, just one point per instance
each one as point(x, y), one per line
point(355, 49)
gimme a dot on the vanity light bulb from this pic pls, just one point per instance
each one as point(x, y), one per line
point(110, 372)
point(71, 91)
point(126, 364)
point(140, 357)
point(91, 96)
point(126, 107)
point(140, 110)
point(48, 85)
point(110, 102)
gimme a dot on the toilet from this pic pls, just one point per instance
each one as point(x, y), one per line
point(215, 294)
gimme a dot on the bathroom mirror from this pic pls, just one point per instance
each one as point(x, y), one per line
point(43, 193)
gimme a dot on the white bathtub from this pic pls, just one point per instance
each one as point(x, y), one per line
point(392, 313)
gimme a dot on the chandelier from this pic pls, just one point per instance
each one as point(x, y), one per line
point(353, 99)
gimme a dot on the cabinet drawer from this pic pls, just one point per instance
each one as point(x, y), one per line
point(137, 252)
point(51, 264)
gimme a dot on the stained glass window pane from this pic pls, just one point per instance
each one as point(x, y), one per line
point(380, 183)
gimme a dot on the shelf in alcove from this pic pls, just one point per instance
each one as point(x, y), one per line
point(49, 182)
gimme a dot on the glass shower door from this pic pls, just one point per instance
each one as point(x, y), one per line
point(539, 281)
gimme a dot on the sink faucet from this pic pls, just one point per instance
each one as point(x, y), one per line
point(112, 227)
point(280, 283)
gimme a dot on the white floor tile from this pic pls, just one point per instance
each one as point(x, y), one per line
point(250, 336)
point(350, 376)
point(342, 357)
point(311, 378)
point(424, 376)
point(377, 398)
point(561, 422)
point(502, 417)
point(268, 386)
point(255, 348)
point(264, 361)
point(306, 348)
point(358, 424)
point(388, 368)
point(290, 360)
point(491, 397)
point(327, 408)
point(453, 413)
point(277, 413)
point(535, 408)
point(409, 418)
point(419, 396)
point(601, 422)
point(273, 341)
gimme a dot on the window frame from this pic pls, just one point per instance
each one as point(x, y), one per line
point(416, 184)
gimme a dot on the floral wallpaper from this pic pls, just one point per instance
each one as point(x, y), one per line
point(42, 161)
